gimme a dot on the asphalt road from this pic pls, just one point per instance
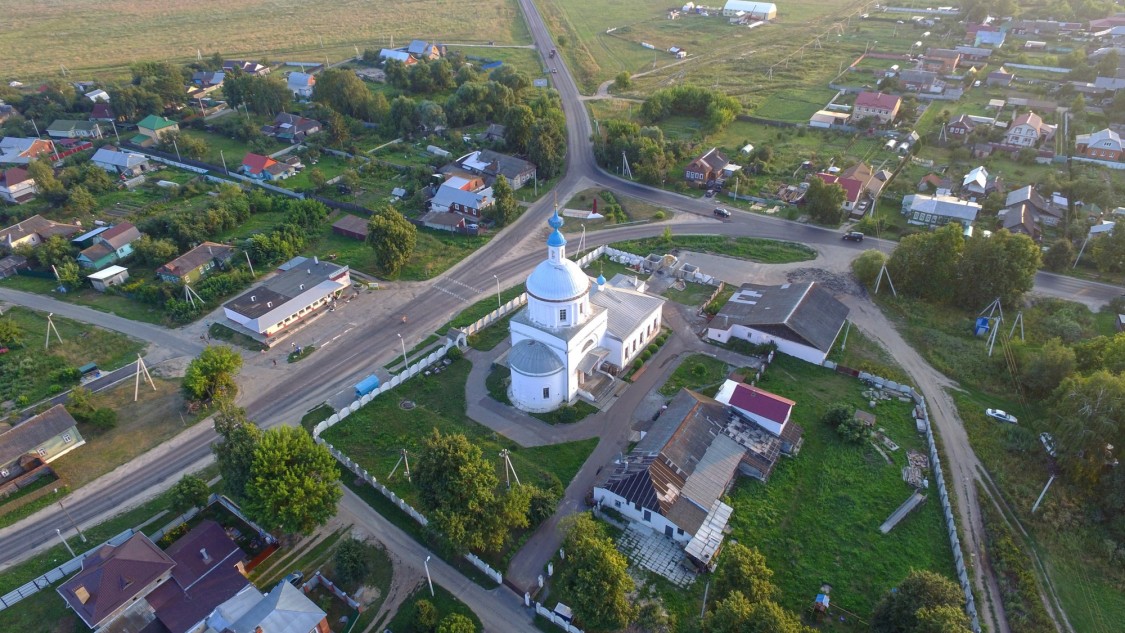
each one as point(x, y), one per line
point(509, 257)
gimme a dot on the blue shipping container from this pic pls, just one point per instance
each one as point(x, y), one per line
point(366, 386)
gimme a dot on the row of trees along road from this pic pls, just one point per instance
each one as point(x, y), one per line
point(283, 480)
point(1073, 380)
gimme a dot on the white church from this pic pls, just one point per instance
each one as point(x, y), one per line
point(576, 334)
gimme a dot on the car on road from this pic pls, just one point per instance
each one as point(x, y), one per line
point(721, 212)
point(853, 236)
point(710, 193)
point(1048, 441)
point(1001, 415)
point(555, 70)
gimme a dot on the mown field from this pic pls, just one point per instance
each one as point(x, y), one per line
point(98, 37)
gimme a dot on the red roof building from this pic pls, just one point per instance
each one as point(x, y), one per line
point(769, 410)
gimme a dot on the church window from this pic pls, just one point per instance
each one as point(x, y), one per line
point(546, 393)
point(562, 316)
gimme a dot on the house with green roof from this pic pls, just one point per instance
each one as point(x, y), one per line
point(152, 129)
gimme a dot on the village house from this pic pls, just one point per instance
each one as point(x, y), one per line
point(1041, 209)
point(7, 111)
point(208, 80)
point(876, 105)
point(196, 263)
point(250, 68)
point(398, 56)
point(938, 184)
point(852, 188)
point(454, 199)
point(120, 163)
point(265, 168)
point(919, 80)
point(103, 112)
point(291, 128)
point(995, 39)
point(750, 9)
point(136, 586)
point(423, 50)
point(1000, 77)
point(109, 246)
point(934, 211)
point(826, 119)
point(152, 129)
point(1021, 219)
point(1103, 145)
point(961, 125)
point(21, 151)
point(973, 53)
point(941, 60)
point(301, 289)
point(34, 231)
point(674, 479)
point(285, 609)
point(803, 320)
point(66, 128)
point(27, 447)
point(977, 183)
point(491, 164)
point(1028, 130)
point(706, 169)
point(301, 85)
point(17, 186)
point(494, 134)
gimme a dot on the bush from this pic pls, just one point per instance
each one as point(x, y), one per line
point(351, 563)
point(837, 414)
point(652, 348)
point(455, 353)
point(645, 355)
point(659, 215)
point(103, 419)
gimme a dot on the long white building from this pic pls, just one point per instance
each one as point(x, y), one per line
point(755, 10)
point(302, 287)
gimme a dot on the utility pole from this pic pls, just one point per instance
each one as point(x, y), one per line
point(224, 159)
point(59, 532)
point(177, 146)
point(498, 304)
point(248, 262)
point(141, 369)
point(405, 363)
point(430, 582)
point(71, 519)
point(51, 327)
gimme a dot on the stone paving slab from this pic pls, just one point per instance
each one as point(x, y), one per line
point(656, 553)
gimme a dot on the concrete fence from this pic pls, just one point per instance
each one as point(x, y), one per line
point(922, 414)
point(556, 619)
point(318, 580)
point(496, 315)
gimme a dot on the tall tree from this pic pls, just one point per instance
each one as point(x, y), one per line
point(294, 482)
point(458, 488)
point(737, 614)
point(943, 619)
point(344, 92)
point(505, 209)
point(393, 237)
point(518, 122)
point(1059, 256)
point(154, 251)
point(868, 266)
point(211, 375)
point(825, 201)
point(456, 623)
point(46, 183)
point(190, 492)
point(1003, 265)
point(597, 575)
point(1108, 252)
point(744, 569)
point(925, 264)
point(80, 201)
point(235, 454)
point(1087, 414)
point(1045, 369)
point(898, 611)
point(547, 148)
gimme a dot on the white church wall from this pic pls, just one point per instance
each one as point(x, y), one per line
point(527, 391)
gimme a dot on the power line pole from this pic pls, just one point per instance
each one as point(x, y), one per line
point(51, 328)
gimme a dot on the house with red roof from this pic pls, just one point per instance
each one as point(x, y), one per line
point(768, 410)
point(876, 105)
point(265, 168)
point(852, 188)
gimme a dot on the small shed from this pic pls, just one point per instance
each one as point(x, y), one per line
point(112, 276)
point(351, 226)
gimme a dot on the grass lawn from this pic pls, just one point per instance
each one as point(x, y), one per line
point(482, 308)
point(375, 435)
point(749, 248)
point(331, 166)
point(156, 416)
point(220, 148)
point(28, 373)
point(437, 252)
point(636, 210)
point(607, 267)
point(697, 372)
point(237, 339)
point(693, 294)
point(493, 335)
point(817, 520)
point(406, 620)
point(864, 354)
point(316, 415)
point(257, 223)
point(85, 296)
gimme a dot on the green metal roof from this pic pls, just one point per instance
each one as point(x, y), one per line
point(154, 122)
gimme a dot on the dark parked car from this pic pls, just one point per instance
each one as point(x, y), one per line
point(722, 213)
point(853, 236)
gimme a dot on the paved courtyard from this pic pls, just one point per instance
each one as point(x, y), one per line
point(656, 553)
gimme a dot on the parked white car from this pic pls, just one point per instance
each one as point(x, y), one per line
point(1001, 415)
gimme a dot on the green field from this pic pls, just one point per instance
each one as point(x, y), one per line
point(258, 29)
point(817, 520)
point(749, 248)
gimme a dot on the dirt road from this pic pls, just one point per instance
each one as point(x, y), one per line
point(962, 467)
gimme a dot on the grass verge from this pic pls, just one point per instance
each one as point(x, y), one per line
point(748, 248)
